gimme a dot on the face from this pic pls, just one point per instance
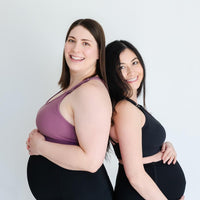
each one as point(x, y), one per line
point(81, 51)
point(131, 68)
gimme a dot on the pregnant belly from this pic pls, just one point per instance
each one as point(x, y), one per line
point(169, 178)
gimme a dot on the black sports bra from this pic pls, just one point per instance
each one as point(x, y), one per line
point(153, 134)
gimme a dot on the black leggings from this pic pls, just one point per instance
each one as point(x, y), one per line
point(48, 181)
point(169, 178)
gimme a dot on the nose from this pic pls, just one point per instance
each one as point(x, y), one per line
point(76, 47)
point(130, 70)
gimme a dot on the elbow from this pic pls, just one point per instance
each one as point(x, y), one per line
point(137, 181)
point(93, 170)
point(94, 165)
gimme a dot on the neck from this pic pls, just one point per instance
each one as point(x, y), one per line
point(76, 78)
point(134, 96)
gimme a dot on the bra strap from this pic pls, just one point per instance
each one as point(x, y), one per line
point(79, 84)
point(133, 102)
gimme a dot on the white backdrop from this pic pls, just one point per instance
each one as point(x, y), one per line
point(32, 37)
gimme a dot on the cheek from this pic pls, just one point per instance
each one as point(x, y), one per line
point(141, 71)
point(66, 54)
point(97, 53)
point(124, 74)
point(92, 53)
point(67, 48)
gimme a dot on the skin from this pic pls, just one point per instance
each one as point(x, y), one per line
point(81, 54)
point(127, 130)
point(79, 108)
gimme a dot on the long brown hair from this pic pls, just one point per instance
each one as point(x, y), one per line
point(97, 31)
point(118, 87)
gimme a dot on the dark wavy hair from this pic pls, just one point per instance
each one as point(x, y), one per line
point(97, 31)
point(118, 88)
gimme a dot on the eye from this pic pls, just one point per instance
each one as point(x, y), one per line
point(135, 62)
point(86, 44)
point(121, 67)
point(70, 40)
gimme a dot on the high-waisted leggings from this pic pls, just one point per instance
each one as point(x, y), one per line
point(169, 178)
point(48, 181)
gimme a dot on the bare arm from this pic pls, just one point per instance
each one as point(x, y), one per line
point(128, 124)
point(92, 114)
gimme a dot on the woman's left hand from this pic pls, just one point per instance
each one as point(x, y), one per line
point(34, 141)
point(169, 153)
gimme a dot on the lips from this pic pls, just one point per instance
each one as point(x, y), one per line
point(76, 58)
point(132, 80)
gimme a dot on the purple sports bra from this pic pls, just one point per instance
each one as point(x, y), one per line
point(52, 124)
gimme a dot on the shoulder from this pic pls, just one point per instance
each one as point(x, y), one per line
point(93, 84)
point(127, 111)
point(126, 106)
point(91, 88)
point(94, 92)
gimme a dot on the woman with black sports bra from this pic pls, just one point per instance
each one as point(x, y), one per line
point(136, 135)
point(68, 147)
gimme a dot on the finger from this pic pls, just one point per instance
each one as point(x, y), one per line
point(174, 162)
point(163, 147)
point(31, 135)
point(170, 160)
point(28, 141)
point(169, 150)
point(166, 157)
point(168, 143)
point(34, 131)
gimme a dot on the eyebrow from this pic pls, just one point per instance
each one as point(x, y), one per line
point(134, 59)
point(131, 60)
point(81, 39)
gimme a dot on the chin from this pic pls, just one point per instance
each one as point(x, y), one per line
point(134, 86)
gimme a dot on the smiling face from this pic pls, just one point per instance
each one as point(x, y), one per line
point(131, 68)
point(81, 51)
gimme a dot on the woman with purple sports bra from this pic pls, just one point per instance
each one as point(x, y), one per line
point(68, 147)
